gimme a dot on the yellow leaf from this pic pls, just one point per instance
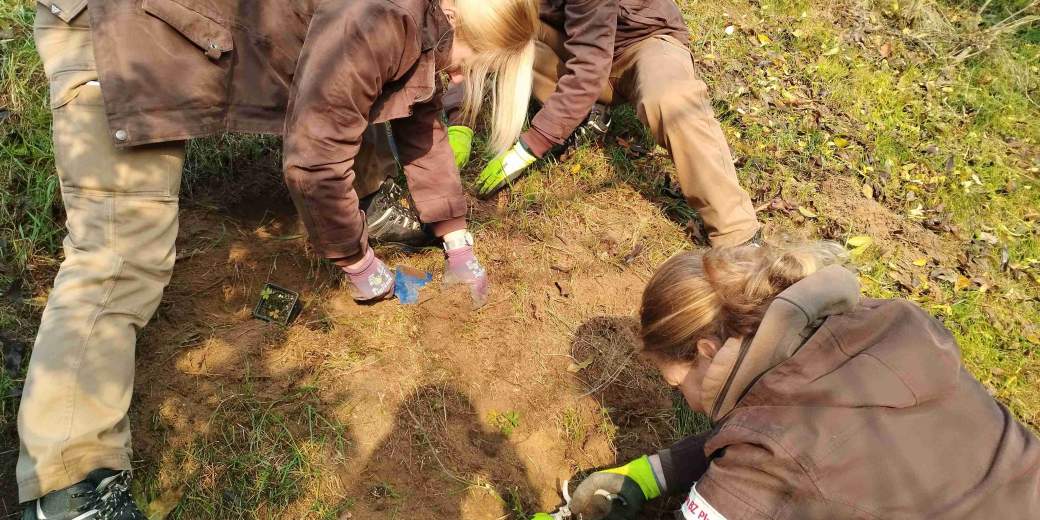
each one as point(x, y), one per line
point(921, 262)
point(806, 212)
point(860, 241)
point(868, 191)
point(962, 283)
point(841, 142)
point(764, 40)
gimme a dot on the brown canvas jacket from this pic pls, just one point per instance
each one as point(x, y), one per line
point(178, 69)
point(598, 32)
point(839, 408)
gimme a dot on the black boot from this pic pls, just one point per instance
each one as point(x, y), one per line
point(390, 222)
point(104, 495)
point(593, 129)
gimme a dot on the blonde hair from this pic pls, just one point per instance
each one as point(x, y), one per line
point(502, 35)
point(721, 294)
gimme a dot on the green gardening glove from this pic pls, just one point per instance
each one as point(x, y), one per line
point(616, 493)
point(504, 169)
point(461, 140)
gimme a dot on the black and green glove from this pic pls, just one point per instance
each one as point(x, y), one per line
point(616, 493)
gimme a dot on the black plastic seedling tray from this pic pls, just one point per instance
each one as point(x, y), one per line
point(277, 305)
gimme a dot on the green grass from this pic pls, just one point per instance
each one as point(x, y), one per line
point(934, 105)
point(263, 457)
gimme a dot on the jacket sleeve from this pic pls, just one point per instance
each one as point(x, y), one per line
point(684, 462)
point(590, 26)
point(429, 164)
point(347, 58)
point(749, 481)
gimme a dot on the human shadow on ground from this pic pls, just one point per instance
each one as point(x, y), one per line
point(441, 460)
point(637, 400)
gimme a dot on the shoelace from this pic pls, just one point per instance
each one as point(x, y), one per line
point(112, 500)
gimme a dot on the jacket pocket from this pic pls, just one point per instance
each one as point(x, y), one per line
point(208, 34)
point(66, 10)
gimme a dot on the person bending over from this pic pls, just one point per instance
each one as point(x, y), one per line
point(824, 404)
point(130, 81)
point(593, 52)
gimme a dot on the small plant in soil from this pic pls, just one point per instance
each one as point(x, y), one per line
point(276, 305)
point(506, 422)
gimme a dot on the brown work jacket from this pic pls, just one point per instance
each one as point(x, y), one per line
point(178, 69)
point(842, 408)
point(597, 32)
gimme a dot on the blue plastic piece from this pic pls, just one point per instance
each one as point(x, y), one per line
point(407, 282)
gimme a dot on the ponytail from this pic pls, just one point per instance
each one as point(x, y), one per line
point(722, 293)
point(501, 33)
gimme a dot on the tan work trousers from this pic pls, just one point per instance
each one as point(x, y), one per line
point(122, 210)
point(657, 76)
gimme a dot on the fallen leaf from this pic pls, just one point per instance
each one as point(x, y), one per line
point(764, 40)
point(564, 288)
point(962, 282)
point(921, 262)
point(860, 241)
point(886, 50)
point(161, 507)
point(841, 142)
point(944, 274)
point(859, 244)
point(576, 168)
point(987, 237)
point(806, 212)
point(576, 367)
point(868, 191)
point(632, 255)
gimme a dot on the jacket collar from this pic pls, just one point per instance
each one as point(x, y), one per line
point(790, 320)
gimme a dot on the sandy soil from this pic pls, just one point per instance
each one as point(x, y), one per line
point(419, 388)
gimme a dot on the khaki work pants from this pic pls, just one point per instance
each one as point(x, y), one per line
point(658, 77)
point(122, 210)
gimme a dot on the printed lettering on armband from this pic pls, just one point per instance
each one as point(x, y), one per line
point(695, 507)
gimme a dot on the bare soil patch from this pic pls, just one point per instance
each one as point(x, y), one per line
point(447, 412)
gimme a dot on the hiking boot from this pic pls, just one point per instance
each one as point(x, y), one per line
point(392, 223)
point(104, 495)
point(594, 128)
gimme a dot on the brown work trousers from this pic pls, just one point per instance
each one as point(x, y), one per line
point(121, 208)
point(657, 76)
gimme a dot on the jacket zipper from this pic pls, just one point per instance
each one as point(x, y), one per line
point(745, 346)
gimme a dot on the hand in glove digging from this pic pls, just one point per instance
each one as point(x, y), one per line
point(504, 169)
point(369, 279)
point(464, 268)
point(616, 493)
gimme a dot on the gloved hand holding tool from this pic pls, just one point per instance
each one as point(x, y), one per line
point(616, 493)
point(504, 169)
point(462, 266)
point(461, 140)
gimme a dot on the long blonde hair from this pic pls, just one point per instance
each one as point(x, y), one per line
point(502, 35)
point(721, 294)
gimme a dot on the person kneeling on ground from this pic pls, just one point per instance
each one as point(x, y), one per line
point(170, 71)
point(591, 54)
point(824, 404)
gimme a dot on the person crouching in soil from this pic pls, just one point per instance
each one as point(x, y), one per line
point(367, 62)
point(591, 54)
point(130, 81)
point(824, 404)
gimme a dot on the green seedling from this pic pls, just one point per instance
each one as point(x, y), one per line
point(277, 305)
